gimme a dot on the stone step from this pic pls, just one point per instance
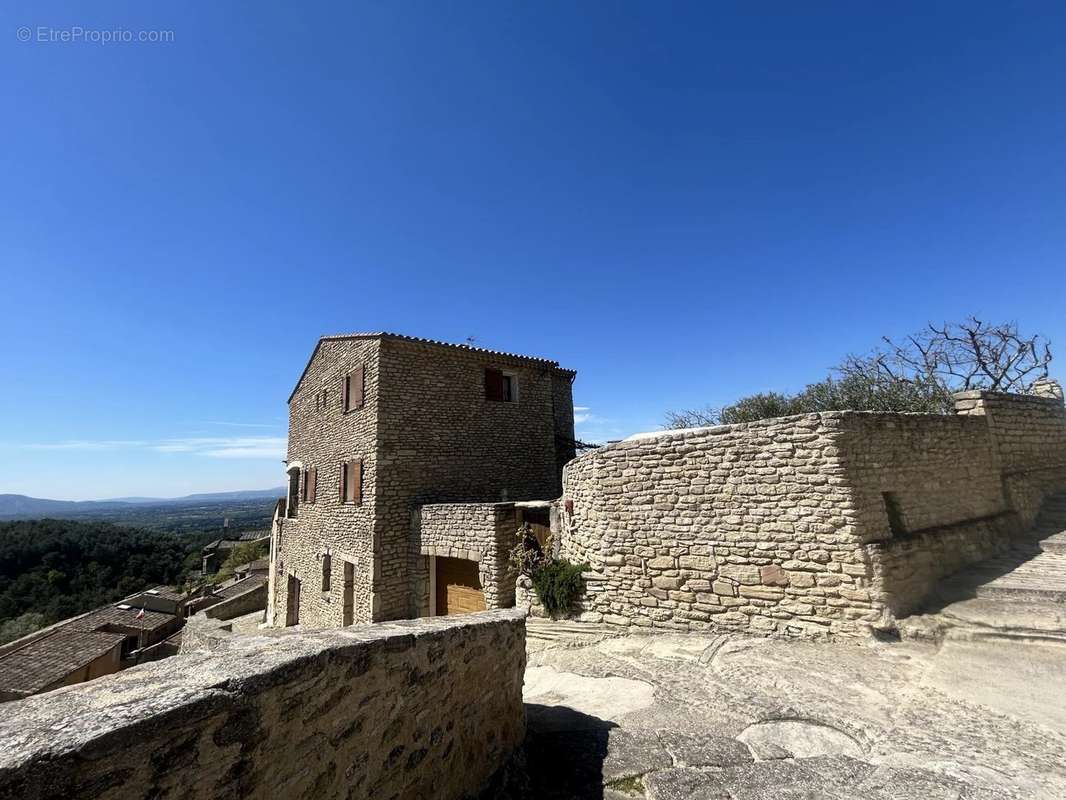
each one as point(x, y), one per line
point(1054, 544)
point(1023, 593)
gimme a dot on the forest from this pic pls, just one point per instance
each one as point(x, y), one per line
point(52, 569)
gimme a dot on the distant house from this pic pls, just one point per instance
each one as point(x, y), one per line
point(95, 644)
point(215, 553)
point(261, 566)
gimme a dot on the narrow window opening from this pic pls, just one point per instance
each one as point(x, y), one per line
point(327, 571)
point(895, 513)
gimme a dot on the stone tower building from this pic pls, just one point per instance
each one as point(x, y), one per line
point(382, 424)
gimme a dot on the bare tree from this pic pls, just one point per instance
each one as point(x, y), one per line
point(958, 356)
point(692, 418)
point(917, 374)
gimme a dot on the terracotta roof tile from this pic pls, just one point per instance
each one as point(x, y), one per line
point(419, 340)
point(44, 661)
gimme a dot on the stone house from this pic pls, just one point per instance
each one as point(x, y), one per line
point(382, 425)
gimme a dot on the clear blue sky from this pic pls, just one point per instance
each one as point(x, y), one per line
point(685, 203)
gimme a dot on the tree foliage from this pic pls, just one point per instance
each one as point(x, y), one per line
point(916, 374)
point(239, 556)
point(53, 569)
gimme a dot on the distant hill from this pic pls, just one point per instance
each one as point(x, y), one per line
point(19, 506)
point(209, 497)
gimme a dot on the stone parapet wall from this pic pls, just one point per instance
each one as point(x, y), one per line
point(738, 527)
point(1028, 435)
point(831, 523)
point(481, 532)
point(427, 708)
point(907, 569)
point(937, 470)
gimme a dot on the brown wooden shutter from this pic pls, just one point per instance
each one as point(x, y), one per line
point(305, 475)
point(357, 481)
point(344, 393)
point(493, 384)
point(355, 387)
point(344, 482)
point(312, 484)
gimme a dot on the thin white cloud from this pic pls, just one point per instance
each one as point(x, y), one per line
point(84, 444)
point(267, 447)
point(242, 424)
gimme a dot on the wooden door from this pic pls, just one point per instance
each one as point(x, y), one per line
point(292, 604)
point(458, 587)
point(349, 593)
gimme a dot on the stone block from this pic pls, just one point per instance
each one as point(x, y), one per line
point(773, 575)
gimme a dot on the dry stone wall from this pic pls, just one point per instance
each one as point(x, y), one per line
point(740, 527)
point(832, 523)
point(420, 709)
point(1029, 437)
point(481, 532)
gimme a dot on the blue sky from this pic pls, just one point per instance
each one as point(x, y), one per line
point(684, 202)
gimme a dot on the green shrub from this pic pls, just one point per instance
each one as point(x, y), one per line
point(559, 585)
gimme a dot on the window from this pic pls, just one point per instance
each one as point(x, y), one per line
point(310, 484)
point(352, 389)
point(294, 492)
point(320, 401)
point(327, 571)
point(499, 386)
point(352, 482)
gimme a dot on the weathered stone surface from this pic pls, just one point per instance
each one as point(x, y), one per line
point(632, 753)
point(829, 524)
point(425, 434)
point(397, 710)
point(967, 720)
point(692, 750)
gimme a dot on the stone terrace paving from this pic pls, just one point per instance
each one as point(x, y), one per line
point(727, 717)
point(968, 706)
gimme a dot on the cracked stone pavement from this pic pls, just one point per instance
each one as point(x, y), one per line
point(670, 716)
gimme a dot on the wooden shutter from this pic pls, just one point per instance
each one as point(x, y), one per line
point(352, 482)
point(312, 485)
point(306, 475)
point(355, 387)
point(493, 384)
point(344, 393)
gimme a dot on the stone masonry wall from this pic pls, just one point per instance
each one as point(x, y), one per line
point(929, 500)
point(325, 437)
point(420, 709)
point(739, 527)
point(481, 532)
point(938, 470)
point(1029, 437)
point(829, 523)
point(441, 441)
